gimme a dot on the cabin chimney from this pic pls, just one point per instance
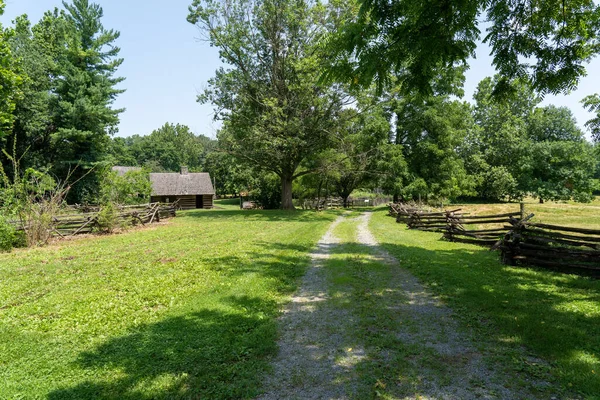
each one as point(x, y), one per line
point(184, 170)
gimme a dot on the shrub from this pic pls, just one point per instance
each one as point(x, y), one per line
point(8, 235)
point(108, 218)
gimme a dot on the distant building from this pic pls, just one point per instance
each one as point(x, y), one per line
point(193, 190)
point(120, 170)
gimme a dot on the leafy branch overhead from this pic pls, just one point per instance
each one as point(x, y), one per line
point(544, 42)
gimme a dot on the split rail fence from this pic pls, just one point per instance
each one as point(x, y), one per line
point(562, 248)
point(77, 223)
point(521, 242)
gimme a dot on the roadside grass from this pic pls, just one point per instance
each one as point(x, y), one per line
point(554, 316)
point(182, 310)
point(398, 359)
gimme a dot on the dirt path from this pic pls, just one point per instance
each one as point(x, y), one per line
point(315, 361)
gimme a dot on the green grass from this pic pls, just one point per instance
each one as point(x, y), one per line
point(182, 310)
point(395, 366)
point(227, 204)
point(557, 213)
point(555, 316)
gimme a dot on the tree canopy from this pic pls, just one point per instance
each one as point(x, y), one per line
point(544, 42)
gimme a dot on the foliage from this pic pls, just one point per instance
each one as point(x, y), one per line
point(274, 115)
point(560, 171)
point(108, 217)
point(520, 148)
point(230, 175)
point(8, 235)
point(592, 103)
point(430, 130)
point(497, 184)
point(543, 42)
point(133, 187)
point(186, 310)
point(266, 191)
point(553, 124)
point(65, 117)
point(362, 143)
point(10, 80)
point(167, 149)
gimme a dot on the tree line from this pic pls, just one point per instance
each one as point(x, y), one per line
point(317, 98)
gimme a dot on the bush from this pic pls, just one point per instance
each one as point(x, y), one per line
point(8, 235)
point(133, 187)
point(108, 218)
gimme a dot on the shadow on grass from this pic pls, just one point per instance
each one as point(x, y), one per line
point(206, 354)
point(553, 314)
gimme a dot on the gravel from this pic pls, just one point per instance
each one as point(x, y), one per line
point(316, 361)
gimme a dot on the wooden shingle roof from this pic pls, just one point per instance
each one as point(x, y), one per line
point(120, 170)
point(177, 184)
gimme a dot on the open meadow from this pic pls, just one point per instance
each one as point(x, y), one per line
point(188, 308)
point(183, 309)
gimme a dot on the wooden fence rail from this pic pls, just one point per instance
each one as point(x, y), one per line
point(542, 245)
point(521, 242)
point(484, 230)
point(79, 223)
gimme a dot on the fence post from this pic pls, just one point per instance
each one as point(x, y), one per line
point(522, 209)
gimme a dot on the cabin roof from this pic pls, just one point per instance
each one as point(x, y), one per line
point(181, 184)
point(121, 170)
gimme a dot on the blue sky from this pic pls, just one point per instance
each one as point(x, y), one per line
point(166, 66)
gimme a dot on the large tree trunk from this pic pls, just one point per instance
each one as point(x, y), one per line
point(286, 193)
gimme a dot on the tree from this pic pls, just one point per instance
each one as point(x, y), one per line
point(133, 187)
point(85, 91)
point(553, 124)
point(39, 52)
point(521, 148)
point(430, 131)
point(495, 152)
point(231, 176)
point(592, 103)
point(10, 81)
point(561, 171)
point(167, 148)
point(274, 114)
point(363, 141)
point(543, 42)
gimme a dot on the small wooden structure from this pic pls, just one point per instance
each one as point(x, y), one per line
point(191, 190)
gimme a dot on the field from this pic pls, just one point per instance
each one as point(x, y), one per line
point(566, 214)
point(188, 308)
point(183, 309)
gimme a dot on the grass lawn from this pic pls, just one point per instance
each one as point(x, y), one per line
point(554, 316)
point(182, 310)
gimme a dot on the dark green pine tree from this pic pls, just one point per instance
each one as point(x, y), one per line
point(85, 92)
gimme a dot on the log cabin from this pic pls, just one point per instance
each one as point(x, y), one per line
point(192, 189)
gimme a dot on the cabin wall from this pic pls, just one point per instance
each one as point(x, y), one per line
point(207, 201)
point(185, 202)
